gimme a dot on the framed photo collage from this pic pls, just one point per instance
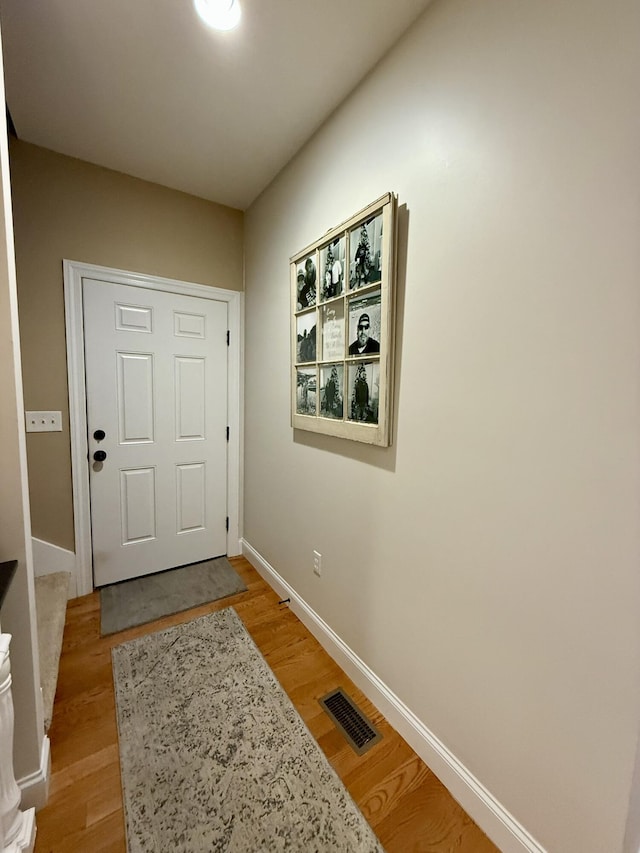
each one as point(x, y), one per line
point(342, 295)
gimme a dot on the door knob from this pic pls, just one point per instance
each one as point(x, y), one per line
point(99, 455)
point(99, 434)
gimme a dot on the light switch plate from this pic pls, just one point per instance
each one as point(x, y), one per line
point(43, 421)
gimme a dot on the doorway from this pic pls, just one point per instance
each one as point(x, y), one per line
point(166, 291)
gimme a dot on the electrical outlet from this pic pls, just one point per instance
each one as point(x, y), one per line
point(317, 563)
point(43, 421)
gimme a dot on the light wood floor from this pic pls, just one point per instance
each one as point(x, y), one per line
point(403, 801)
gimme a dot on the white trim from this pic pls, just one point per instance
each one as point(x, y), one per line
point(632, 831)
point(35, 786)
point(490, 815)
point(74, 271)
point(49, 559)
point(25, 841)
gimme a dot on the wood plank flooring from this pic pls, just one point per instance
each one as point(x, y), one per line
point(408, 808)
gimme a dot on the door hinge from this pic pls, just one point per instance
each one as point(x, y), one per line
point(228, 336)
point(227, 433)
point(227, 525)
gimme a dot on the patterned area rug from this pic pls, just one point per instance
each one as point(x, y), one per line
point(215, 757)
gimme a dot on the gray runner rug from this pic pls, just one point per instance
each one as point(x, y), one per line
point(213, 755)
point(129, 603)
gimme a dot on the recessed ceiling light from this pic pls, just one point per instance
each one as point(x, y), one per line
point(219, 14)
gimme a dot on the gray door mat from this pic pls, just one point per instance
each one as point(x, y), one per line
point(134, 602)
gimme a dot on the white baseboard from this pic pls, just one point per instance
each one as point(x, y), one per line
point(49, 558)
point(490, 815)
point(25, 841)
point(35, 786)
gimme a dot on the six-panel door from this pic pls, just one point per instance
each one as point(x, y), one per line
point(156, 379)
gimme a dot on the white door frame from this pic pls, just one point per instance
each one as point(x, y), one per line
point(74, 272)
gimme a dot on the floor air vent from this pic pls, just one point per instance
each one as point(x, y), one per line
point(350, 720)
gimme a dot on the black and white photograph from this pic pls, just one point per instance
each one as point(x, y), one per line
point(306, 391)
point(332, 268)
point(332, 391)
point(364, 324)
point(342, 346)
point(363, 397)
point(306, 346)
point(307, 275)
point(332, 318)
point(365, 250)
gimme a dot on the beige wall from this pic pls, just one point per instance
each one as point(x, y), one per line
point(485, 566)
point(18, 612)
point(65, 208)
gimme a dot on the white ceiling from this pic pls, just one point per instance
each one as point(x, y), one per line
point(142, 86)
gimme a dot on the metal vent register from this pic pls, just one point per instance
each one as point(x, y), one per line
point(356, 728)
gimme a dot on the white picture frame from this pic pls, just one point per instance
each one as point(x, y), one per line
point(343, 295)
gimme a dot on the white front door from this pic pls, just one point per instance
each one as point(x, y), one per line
point(156, 380)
